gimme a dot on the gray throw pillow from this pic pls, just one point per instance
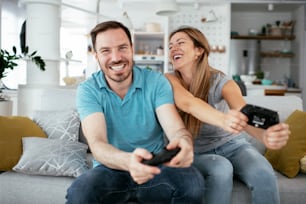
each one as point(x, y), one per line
point(53, 157)
point(59, 124)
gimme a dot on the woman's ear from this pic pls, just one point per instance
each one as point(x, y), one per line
point(199, 51)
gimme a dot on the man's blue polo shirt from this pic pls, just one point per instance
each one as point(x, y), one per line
point(131, 122)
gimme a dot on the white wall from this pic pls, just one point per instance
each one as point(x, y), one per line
point(217, 33)
point(12, 17)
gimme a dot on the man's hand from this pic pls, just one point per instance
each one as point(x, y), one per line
point(276, 136)
point(140, 172)
point(185, 156)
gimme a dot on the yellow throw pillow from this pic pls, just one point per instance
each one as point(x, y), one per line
point(287, 159)
point(12, 129)
point(303, 164)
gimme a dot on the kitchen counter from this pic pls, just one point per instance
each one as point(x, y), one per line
point(261, 90)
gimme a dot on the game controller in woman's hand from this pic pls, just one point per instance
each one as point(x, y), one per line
point(260, 117)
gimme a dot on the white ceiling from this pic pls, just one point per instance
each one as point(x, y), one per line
point(83, 14)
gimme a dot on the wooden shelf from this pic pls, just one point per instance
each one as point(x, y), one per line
point(276, 54)
point(263, 37)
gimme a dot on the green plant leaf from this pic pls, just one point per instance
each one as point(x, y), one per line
point(8, 61)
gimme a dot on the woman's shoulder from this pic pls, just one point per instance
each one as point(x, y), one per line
point(219, 77)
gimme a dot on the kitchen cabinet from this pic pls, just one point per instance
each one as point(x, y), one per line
point(149, 50)
point(147, 43)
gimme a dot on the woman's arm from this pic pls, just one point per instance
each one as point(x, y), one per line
point(274, 137)
point(185, 101)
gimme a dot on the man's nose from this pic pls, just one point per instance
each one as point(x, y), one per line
point(116, 56)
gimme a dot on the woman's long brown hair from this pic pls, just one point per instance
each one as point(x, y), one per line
point(200, 84)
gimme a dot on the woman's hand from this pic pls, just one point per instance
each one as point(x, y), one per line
point(276, 136)
point(234, 121)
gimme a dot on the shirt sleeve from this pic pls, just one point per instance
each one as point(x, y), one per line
point(164, 92)
point(87, 100)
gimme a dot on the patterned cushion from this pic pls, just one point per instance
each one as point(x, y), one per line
point(42, 156)
point(59, 124)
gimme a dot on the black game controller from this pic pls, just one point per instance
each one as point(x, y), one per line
point(260, 117)
point(161, 157)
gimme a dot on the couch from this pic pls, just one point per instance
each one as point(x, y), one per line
point(27, 188)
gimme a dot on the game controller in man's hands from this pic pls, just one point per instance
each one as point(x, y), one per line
point(260, 117)
point(161, 157)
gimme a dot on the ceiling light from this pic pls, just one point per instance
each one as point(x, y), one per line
point(166, 7)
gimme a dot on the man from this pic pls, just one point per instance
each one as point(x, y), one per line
point(125, 112)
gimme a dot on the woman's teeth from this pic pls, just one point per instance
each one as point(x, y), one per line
point(175, 57)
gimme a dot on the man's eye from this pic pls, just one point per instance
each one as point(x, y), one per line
point(123, 48)
point(104, 51)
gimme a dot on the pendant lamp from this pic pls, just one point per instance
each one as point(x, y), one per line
point(166, 7)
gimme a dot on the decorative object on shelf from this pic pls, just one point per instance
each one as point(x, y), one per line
point(4, 97)
point(152, 27)
point(211, 17)
point(166, 7)
point(266, 82)
point(247, 79)
point(71, 80)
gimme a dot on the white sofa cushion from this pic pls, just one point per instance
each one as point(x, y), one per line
point(284, 105)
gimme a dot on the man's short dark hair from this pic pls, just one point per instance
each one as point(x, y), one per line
point(107, 25)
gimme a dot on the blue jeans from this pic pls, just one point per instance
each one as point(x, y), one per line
point(240, 159)
point(105, 185)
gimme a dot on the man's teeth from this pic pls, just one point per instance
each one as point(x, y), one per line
point(117, 68)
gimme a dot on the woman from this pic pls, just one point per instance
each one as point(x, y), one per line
point(203, 95)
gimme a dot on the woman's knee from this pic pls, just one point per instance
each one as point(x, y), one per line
point(214, 165)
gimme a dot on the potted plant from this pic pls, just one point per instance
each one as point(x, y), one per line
point(9, 61)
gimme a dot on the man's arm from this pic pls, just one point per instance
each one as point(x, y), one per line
point(177, 134)
point(95, 131)
point(94, 128)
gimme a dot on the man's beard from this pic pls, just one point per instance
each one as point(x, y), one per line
point(118, 78)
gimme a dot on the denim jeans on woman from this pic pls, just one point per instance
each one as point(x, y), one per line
point(239, 158)
point(105, 185)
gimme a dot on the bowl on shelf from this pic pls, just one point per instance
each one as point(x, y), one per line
point(247, 79)
point(266, 82)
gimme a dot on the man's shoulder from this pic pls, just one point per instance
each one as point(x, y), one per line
point(149, 75)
